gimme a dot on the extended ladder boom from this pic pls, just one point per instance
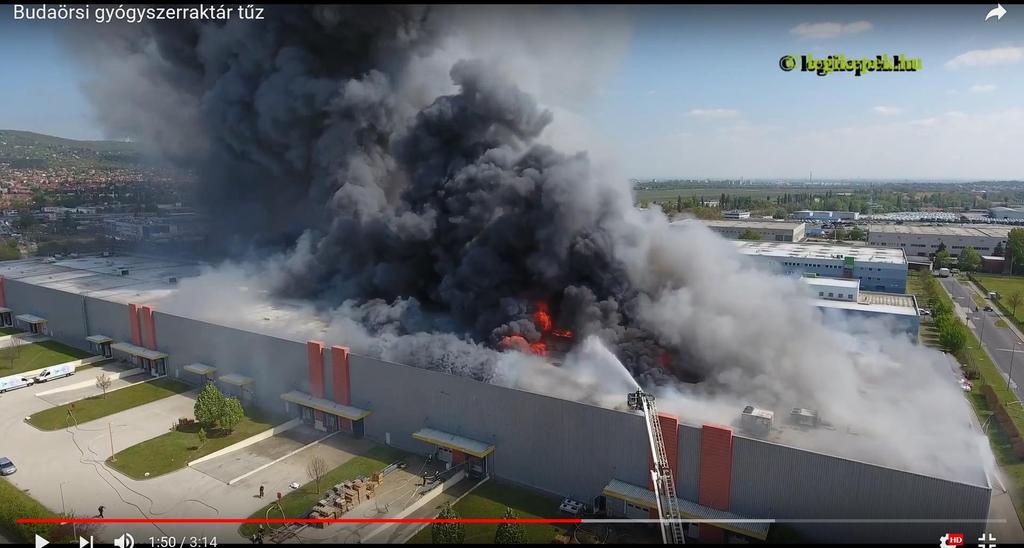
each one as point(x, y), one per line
point(661, 473)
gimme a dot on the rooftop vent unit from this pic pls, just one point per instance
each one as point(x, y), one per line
point(756, 421)
point(804, 417)
point(172, 280)
point(124, 271)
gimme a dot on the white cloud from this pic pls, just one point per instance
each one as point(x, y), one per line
point(714, 113)
point(956, 114)
point(982, 88)
point(986, 57)
point(887, 111)
point(829, 29)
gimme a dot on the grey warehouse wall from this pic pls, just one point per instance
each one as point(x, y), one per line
point(551, 444)
point(770, 480)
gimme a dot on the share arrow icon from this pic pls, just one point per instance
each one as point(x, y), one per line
point(998, 12)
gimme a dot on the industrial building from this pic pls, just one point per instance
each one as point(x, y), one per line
point(772, 231)
point(877, 269)
point(843, 299)
point(826, 216)
point(925, 240)
point(736, 214)
point(786, 470)
point(1006, 213)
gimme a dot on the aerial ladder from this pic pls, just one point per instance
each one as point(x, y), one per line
point(661, 471)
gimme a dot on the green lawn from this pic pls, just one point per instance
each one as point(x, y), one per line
point(173, 450)
point(300, 501)
point(1001, 323)
point(29, 357)
point(101, 406)
point(1004, 286)
point(9, 330)
point(15, 504)
point(490, 501)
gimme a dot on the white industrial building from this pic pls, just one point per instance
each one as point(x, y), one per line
point(877, 269)
point(841, 299)
point(925, 240)
point(736, 214)
point(811, 215)
point(773, 231)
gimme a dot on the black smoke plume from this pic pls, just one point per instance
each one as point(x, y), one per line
point(305, 136)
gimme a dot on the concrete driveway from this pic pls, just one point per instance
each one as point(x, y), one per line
point(237, 463)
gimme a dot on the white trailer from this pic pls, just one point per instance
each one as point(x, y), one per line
point(55, 372)
point(14, 382)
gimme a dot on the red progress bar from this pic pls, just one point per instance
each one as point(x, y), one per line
point(296, 520)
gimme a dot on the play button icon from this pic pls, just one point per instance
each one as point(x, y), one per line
point(40, 542)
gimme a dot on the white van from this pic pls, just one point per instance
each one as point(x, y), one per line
point(55, 372)
point(14, 382)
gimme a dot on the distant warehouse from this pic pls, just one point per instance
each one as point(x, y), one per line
point(925, 240)
point(843, 300)
point(877, 269)
point(772, 231)
point(809, 215)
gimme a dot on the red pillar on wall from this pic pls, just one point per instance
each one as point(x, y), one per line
point(3, 293)
point(340, 375)
point(715, 479)
point(315, 357)
point(670, 433)
point(458, 457)
point(149, 327)
point(133, 321)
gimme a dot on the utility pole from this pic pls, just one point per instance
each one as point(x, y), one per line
point(1009, 378)
point(110, 430)
point(63, 510)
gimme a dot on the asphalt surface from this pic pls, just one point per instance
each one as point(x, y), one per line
point(1002, 343)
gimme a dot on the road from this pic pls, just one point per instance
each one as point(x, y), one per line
point(1002, 343)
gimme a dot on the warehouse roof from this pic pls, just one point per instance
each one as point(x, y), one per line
point(823, 251)
point(760, 225)
point(138, 351)
point(327, 406)
point(942, 230)
point(454, 441)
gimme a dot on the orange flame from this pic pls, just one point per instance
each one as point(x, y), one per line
point(542, 318)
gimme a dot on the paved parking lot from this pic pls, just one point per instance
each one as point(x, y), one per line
point(68, 396)
point(232, 465)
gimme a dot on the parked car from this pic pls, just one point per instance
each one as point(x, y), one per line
point(7, 467)
point(988, 308)
point(924, 311)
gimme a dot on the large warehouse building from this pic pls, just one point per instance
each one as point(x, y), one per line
point(925, 240)
point(878, 269)
point(791, 474)
point(771, 231)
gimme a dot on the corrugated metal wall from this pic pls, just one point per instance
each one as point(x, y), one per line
point(688, 467)
point(781, 482)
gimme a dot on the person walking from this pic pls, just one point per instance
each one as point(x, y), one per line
point(101, 511)
point(261, 491)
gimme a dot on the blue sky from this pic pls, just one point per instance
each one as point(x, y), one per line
point(697, 92)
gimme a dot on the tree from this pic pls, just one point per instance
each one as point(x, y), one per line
point(952, 335)
point(209, 407)
point(232, 413)
point(1015, 247)
point(969, 260)
point(510, 533)
point(447, 533)
point(316, 469)
point(941, 259)
point(201, 436)
point(1015, 299)
point(103, 382)
point(750, 234)
point(856, 233)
